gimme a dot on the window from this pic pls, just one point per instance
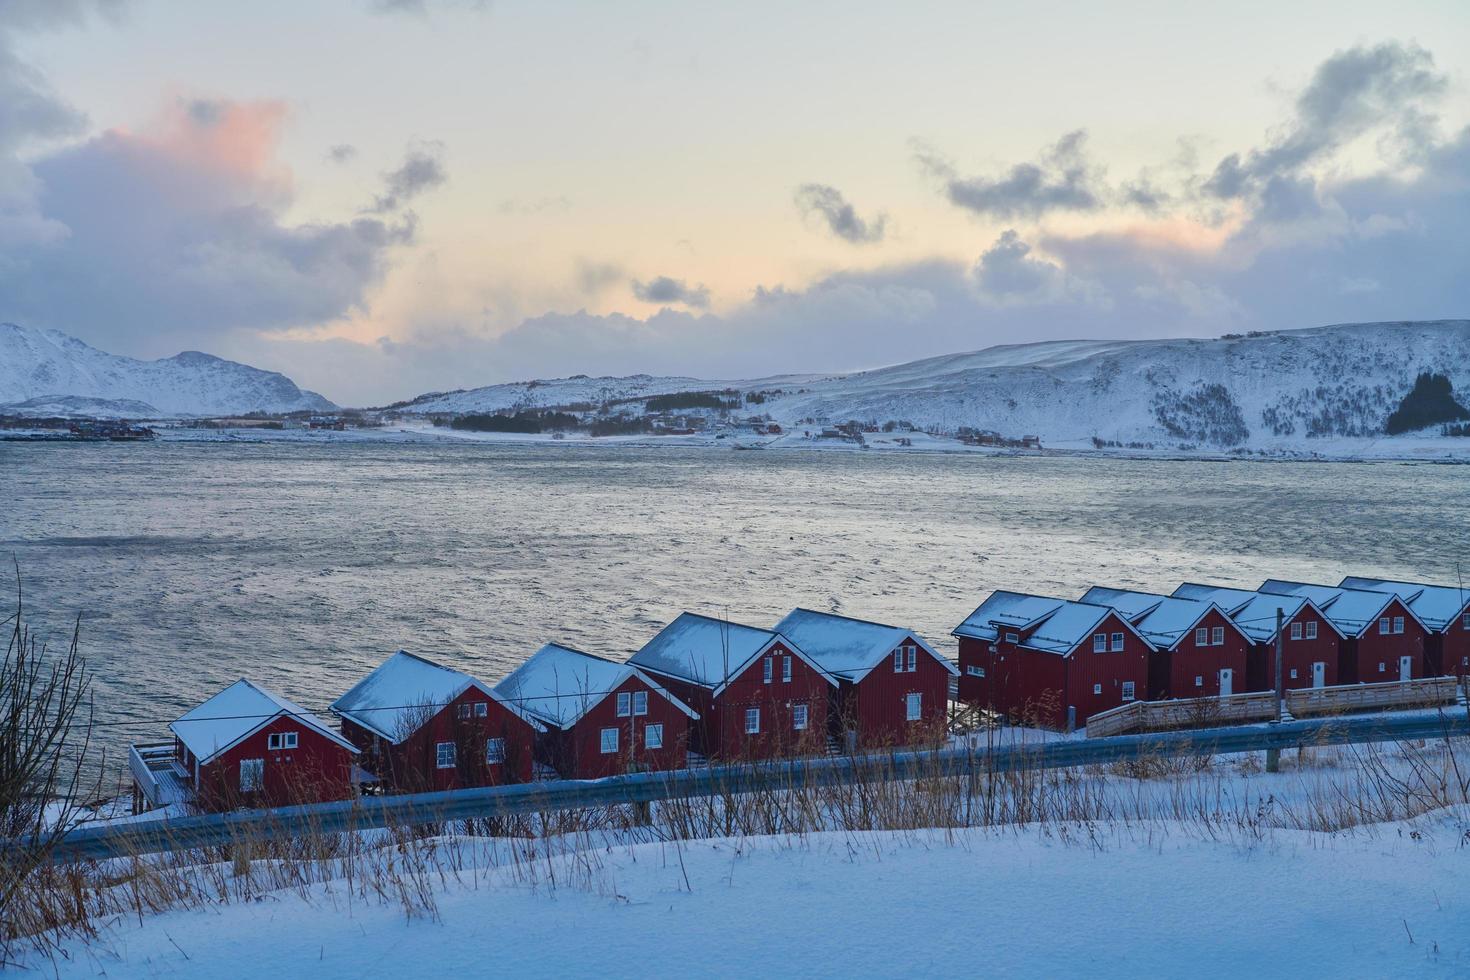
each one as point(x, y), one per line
point(1312, 630)
point(640, 702)
point(1293, 673)
point(494, 751)
point(898, 661)
point(653, 736)
point(798, 717)
point(1127, 690)
point(1217, 636)
point(752, 721)
point(482, 709)
point(913, 706)
point(464, 711)
point(786, 669)
point(1465, 622)
point(1099, 643)
point(252, 775)
point(1117, 642)
point(975, 671)
point(766, 668)
point(1199, 681)
point(1382, 668)
point(281, 740)
point(1398, 624)
point(444, 757)
point(1012, 638)
point(609, 741)
point(1296, 631)
point(625, 704)
point(1384, 625)
point(1097, 689)
point(1202, 637)
point(913, 658)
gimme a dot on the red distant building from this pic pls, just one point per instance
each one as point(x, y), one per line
point(1197, 651)
point(892, 687)
point(1311, 645)
point(422, 726)
point(1383, 639)
point(757, 695)
point(1050, 662)
point(1445, 612)
point(602, 718)
point(244, 747)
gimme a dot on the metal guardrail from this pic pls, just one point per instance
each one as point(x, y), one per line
point(217, 829)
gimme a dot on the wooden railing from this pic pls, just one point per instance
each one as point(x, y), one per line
point(1426, 692)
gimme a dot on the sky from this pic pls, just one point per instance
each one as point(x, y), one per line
point(387, 197)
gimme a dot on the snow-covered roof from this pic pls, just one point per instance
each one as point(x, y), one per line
point(1060, 624)
point(848, 648)
point(1163, 620)
point(558, 685)
point(1438, 606)
point(237, 712)
point(1253, 612)
point(709, 652)
point(1352, 611)
point(391, 700)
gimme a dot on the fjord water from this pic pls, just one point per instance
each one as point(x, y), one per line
point(303, 566)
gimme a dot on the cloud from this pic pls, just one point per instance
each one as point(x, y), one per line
point(842, 220)
point(421, 8)
point(666, 290)
point(422, 169)
point(342, 153)
point(594, 277)
point(1062, 179)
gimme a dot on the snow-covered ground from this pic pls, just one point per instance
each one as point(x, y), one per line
point(1103, 900)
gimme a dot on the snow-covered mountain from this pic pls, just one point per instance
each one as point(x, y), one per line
point(1283, 389)
point(46, 372)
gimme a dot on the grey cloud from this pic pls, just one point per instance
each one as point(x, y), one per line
point(666, 290)
point(342, 153)
point(421, 170)
point(594, 277)
point(1062, 179)
point(840, 217)
point(1006, 270)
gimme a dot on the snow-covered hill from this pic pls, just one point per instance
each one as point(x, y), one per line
point(1285, 389)
point(44, 372)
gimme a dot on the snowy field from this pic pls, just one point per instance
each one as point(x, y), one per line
point(1105, 900)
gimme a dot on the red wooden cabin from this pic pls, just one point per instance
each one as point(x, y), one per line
point(423, 726)
point(249, 747)
point(1445, 612)
point(892, 687)
point(1311, 645)
point(758, 696)
point(1384, 640)
point(602, 718)
point(1197, 651)
point(1050, 662)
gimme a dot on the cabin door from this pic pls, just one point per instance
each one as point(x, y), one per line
point(1319, 674)
point(1406, 668)
point(1227, 682)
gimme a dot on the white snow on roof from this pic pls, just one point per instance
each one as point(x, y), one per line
point(558, 684)
point(1163, 620)
point(1352, 611)
point(1253, 612)
point(391, 700)
point(1437, 605)
point(237, 711)
point(1060, 623)
point(703, 650)
point(847, 647)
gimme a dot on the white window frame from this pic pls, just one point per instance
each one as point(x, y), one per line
point(1385, 625)
point(768, 669)
point(1296, 631)
point(752, 721)
point(640, 703)
point(257, 767)
point(1013, 638)
point(1097, 689)
point(1099, 643)
point(974, 671)
point(1117, 643)
point(1293, 673)
point(800, 717)
point(1199, 680)
point(608, 741)
point(494, 751)
point(1217, 636)
point(898, 661)
point(1398, 625)
point(445, 759)
point(1382, 668)
point(786, 669)
point(1312, 630)
point(1130, 691)
point(1202, 636)
point(653, 736)
point(282, 741)
point(464, 710)
point(625, 704)
point(1465, 621)
point(911, 658)
point(913, 706)
point(482, 709)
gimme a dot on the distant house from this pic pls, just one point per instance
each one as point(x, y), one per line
point(1443, 609)
point(246, 746)
point(757, 694)
point(1385, 641)
point(423, 726)
point(1197, 650)
point(602, 718)
point(1050, 662)
point(892, 687)
point(1310, 644)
